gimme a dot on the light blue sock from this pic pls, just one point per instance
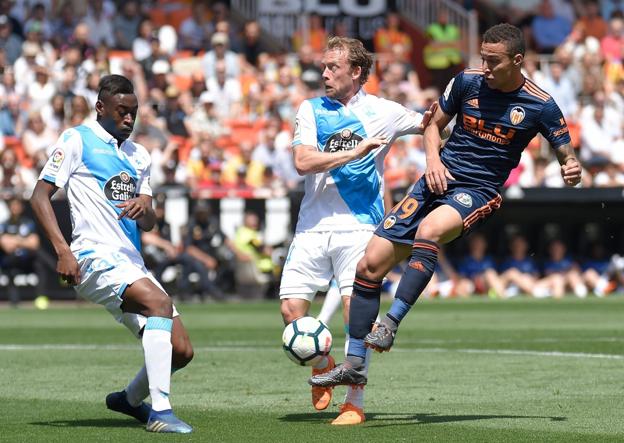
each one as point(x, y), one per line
point(357, 351)
point(398, 310)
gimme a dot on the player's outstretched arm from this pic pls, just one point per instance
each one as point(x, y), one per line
point(445, 132)
point(570, 166)
point(436, 174)
point(309, 160)
point(140, 209)
point(66, 266)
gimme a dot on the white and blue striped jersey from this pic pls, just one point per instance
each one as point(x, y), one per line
point(96, 175)
point(351, 196)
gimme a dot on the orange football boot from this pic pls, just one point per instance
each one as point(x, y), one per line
point(349, 415)
point(321, 397)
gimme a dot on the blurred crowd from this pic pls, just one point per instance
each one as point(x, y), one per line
point(218, 99)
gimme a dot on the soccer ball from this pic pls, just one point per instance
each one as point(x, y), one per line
point(306, 341)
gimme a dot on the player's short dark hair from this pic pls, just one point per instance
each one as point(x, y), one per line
point(508, 34)
point(356, 54)
point(114, 84)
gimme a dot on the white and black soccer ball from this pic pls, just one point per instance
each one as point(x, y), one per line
point(306, 341)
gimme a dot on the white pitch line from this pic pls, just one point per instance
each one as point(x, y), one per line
point(517, 352)
point(83, 347)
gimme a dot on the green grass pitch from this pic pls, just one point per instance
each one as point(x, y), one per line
point(473, 370)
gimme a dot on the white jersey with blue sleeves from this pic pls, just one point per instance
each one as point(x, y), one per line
point(350, 196)
point(96, 175)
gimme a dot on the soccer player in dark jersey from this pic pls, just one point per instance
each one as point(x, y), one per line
point(498, 112)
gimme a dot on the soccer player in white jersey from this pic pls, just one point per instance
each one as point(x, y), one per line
point(106, 179)
point(340, 142)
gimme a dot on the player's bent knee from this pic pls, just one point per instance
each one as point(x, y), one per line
point(368, 269)
point(428, 231)
point(160, 305)
point(291, 310)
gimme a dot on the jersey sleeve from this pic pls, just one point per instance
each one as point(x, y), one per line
point(305, 126)
point(552, 125)
point(450, 101)
point(143, 185)
point(65, 159)
point(403, 120)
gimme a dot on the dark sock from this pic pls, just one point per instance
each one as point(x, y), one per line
point(362, 314)
point(414, 280)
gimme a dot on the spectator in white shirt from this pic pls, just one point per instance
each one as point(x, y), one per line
point(220, 53)
point(561, 90)
point(41, 91)
point(226, 92)
point(601, 129)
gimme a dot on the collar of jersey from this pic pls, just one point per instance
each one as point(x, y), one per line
point(356, 98)
point(101, 132)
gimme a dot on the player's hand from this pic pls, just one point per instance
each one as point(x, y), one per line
point(367, 145)
point(571, 172)
point(436, 176)
point(68, 269)
point(426, 118)
point(134, 208)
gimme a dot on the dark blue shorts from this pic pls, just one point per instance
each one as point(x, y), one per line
point(475, 205)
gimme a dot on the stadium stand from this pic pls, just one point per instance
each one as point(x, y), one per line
point(191, 96)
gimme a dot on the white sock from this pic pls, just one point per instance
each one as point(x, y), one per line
point(333, 299)
point(158, 349)
point(355, 394)
point(580, 290)
point(138, 389)
point(601, 286)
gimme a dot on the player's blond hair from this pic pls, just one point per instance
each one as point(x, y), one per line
point(356, 54)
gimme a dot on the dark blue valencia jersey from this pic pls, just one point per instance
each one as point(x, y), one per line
point(494, 127)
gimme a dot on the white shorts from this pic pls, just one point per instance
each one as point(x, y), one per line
point(315, 257)
point(104, 280)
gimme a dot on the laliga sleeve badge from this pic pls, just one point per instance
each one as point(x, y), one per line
point(57, 159)
point(389, 222)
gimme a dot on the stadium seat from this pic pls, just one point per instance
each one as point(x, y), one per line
point(244, 131)
point(170, 13)
point(184, 146)
point(182, 82)
point(14, 143)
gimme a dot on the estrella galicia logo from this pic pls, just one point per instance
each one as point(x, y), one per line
point(345, 140)
point(121, 187)
point(463, 199)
